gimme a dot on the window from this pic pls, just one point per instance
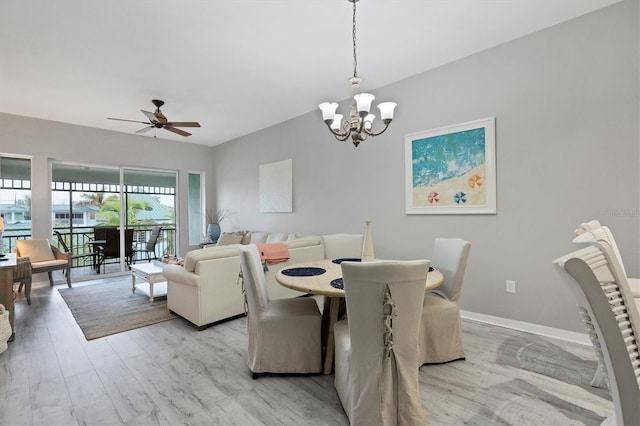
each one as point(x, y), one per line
point(15, 199)
point(195, 208)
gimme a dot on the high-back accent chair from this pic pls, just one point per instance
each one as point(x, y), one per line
point(284, 334)
point(150, 246)
point(341, 246)
point(376, 355)
point(440, 327)
point(44, 257)
point(604, 301)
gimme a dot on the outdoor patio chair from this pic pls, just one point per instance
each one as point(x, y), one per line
point(150, 246)
point(111, 248)
point(75, 254)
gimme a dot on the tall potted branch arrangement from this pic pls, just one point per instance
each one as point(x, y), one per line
point(213, 227)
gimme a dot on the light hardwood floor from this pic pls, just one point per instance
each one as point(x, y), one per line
point(171, 374)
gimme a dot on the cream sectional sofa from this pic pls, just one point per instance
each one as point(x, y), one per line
point(207, 288)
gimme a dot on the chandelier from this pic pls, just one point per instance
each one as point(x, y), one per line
point(360, 123)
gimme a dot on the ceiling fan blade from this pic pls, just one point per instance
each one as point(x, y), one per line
point(160, 116)
point(183, 124)
point(131, 121)
point(146, 129)
point(178, 131)
point(152, 118)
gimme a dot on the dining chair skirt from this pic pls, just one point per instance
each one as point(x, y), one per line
point(443, 341)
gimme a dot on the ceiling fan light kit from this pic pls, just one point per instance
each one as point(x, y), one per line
point(360, 123)
point(157, 120)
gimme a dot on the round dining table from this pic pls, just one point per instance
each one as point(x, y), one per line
point(327, 281)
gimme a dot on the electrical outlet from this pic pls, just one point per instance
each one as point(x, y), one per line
point(511, 286)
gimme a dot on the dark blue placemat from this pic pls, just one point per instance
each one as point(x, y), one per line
point(346, 259)
point(303, 272)
point(337, 283)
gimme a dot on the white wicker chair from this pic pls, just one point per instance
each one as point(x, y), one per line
point(608, 310)
point(590, 232)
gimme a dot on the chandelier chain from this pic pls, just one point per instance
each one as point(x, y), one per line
point(355, 60)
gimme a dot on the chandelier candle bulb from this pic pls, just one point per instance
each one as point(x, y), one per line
point(328, 110)
point(368, 121)
point(363, 100)
point(386, 111)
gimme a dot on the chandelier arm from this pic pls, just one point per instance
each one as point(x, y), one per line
point(341, 136)
point(386, 126)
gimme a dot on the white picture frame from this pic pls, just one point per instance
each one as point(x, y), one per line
point(452, 169)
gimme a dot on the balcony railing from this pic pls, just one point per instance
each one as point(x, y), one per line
point(79, 241)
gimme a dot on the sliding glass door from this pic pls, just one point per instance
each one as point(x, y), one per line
point(88, 201)
point(150, 201)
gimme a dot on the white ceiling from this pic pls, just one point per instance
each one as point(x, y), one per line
point(236, 66)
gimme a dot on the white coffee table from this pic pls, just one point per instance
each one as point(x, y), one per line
point(154, 285)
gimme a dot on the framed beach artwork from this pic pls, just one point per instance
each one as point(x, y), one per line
point(452, 169)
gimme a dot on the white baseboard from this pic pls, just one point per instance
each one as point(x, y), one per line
point(556, 333)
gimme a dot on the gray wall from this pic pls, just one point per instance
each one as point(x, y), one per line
point(566, 102)
point(49, 140)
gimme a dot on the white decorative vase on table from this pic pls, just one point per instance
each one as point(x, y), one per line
point(367, 245)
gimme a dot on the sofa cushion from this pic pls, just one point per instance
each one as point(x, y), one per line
point(38, 249)
point(304, 241)
point(276, 237)
point(246, 239)
point(49, 263)
point(258, 237)
point(230, 238)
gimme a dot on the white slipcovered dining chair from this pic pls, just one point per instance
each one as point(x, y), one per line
point(441, 327)
point(284, 334)
point(376, 349)
point(337, 246)
point(604, 301)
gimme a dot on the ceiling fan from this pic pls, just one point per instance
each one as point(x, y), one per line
point(158, 120)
